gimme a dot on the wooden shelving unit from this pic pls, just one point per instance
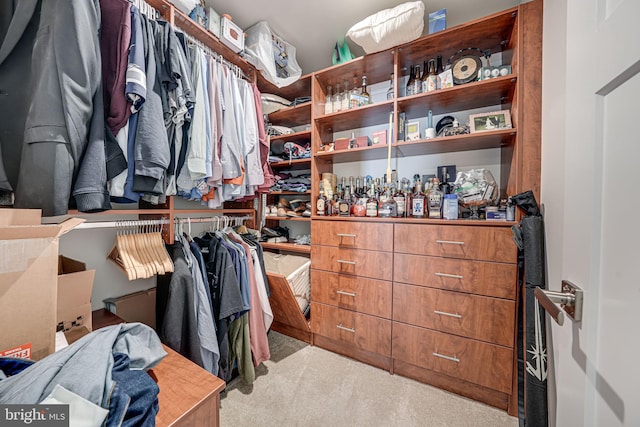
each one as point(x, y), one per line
point(289, 247)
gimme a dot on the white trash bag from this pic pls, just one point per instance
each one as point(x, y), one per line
point(271, 54)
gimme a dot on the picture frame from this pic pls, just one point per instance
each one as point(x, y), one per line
point(413, 130)
point(493, 120)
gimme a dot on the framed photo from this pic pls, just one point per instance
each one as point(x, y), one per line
point(490, 121)
point(413, 130)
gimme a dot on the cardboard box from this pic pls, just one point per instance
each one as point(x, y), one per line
point(135, 307)
point(75, 284)
point(379, 137)
point(28, 282)
point(341, 144)
point(363, 141)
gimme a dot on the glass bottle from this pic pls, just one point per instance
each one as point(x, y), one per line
point(354, 94)
point(390, 92)
point(432, 79)
point(387, 208)
point(344, 205)
point(321, 202)
point(366, 98)
point(435, 199)
point(337, 99)
point(345, 97)
point(399, 198)
point(418, 201)
point(410, 82)
point(372, 203)
point(439, 70)
point(417, 81)
point(335, 209)
point(328, 103)
point(424, 79)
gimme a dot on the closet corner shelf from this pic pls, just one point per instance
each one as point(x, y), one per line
point(303, 135)
point(290, 247)
point(292, 116)
point(296, 164)
point(301, 87)
point(287, 218)
point(368, 115)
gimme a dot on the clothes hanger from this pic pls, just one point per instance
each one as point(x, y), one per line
point(136, 258)
point(120, 254)
point(150, 248)
point(138, 239)
point(162, 259)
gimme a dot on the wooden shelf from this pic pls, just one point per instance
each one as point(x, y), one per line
point(75, 212)
point(447, 144)
point(498, 91)
point(376, 66)
point(301, 87)
point(289, 193)
point(368, 115)
point(296, 164)
point(470, 222)
point(212, 211)
point(304, 135)
point(289, 247)
point(292, 116)
point(287, 218)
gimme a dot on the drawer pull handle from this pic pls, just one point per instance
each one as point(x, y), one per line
point(452, 358)
point(444, 313)
point(454, 276)
point(349, 294)
point(344, 328)
point(449, 242)
point(341, 261)
point(346, 235)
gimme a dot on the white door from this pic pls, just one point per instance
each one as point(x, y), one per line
point(591, 163)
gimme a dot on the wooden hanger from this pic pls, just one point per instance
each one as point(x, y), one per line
point(120, 254)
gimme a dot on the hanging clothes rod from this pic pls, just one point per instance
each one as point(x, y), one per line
point(146, 9)
point(212, 219)
point(121, 224)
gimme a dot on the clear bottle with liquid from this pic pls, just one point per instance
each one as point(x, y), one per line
point(328, 103)
point(435, 197)
point(345, 97)
point(337, 99)
point(390, 91)
point(321, 203)
point(432, 78)
point(366, 98)
point(372, 203)
point(418, 201)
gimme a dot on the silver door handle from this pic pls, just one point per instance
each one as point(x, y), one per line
point(344, 328)
point(346, 235)
point(349, 294)
point(444, 313)
point(443, 356)
point(341, 261)
point(454, 276)
point(449, 242)
point(569, 300)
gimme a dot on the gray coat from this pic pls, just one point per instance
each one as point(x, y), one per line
point(51, 105)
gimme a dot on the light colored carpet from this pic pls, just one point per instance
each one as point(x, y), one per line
point(307, 386)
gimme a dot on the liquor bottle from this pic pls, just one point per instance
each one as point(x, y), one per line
point(387, 207)
point(445, 187)
point(354, 95)
point(344, 205)
point(410, 82)
point(418, 201)
point(337, 99)
point(417, 81)
point(425, 74)
point(432, 79)
point(335, 208)
point(372, 203)
point(399, 198)
point(328, 103)
point(358, 191)
point(345, 97)
point(435, 199)
point(390, 92)
point(321, 203)
point(364, 92)
point(439, 70)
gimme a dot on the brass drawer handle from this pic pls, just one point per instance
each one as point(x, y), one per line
point(349, 294)
point(444, 313)
point(453, 276)
point(341, 261)
point(452, 358)
point(346, 235)
point(344, 328)
point(449, 242)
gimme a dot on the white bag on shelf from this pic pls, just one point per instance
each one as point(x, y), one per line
point(272, 55)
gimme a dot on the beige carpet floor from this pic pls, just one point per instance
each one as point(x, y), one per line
point(307, 386)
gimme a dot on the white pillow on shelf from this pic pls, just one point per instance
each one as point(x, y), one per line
point(389, 27)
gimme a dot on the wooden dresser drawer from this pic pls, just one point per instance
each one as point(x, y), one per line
point(374, 264)
point(456, 241)
point(482, 318)
point(488, 365)
point(477, 277)
point(360, 294)
point(365, 332)
point(356, 235)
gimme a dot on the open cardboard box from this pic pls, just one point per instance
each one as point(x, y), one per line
point(28, 282)
point(75, 284)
